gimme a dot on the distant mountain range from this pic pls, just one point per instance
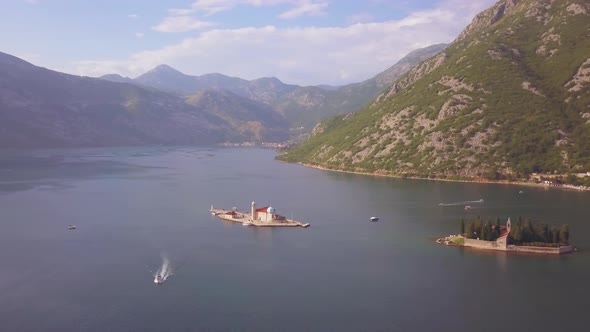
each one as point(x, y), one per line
point(301, 105)
point(509, 97)
point(44, 108)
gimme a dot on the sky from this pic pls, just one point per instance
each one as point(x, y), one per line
point(305, 42)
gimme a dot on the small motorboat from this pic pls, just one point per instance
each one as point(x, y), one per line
point(71, 226)
point(158, 280)
point(374, 219)
point(247, 223)
point(305, 225)
point(467, 207)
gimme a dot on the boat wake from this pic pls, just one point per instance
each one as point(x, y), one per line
point(461, 203)
point(164, 272)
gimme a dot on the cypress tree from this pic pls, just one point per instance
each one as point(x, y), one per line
point(469, 230)
point(564, 234)
point(462, 227)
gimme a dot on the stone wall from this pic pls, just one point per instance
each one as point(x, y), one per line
point(541, 250)
point(493, 245)
point(480, 244)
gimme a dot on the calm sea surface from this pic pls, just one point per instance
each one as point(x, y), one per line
point(134, 206)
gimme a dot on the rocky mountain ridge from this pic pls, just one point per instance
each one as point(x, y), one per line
point(301, 105)
point(509, 97)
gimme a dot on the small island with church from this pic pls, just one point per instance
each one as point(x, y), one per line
point(260, 217)
point(521, 237)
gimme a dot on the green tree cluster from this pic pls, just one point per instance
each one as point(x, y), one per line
point(522, 232)
point(527, 233)
point(478, 229)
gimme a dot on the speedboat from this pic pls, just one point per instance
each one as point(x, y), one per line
point(71, 226)
point(467, 207)
point(374, 218)
point(158, 280)
point(247, 223)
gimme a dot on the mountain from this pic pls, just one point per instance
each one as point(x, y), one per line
point(252, 120)
point(509, 97)
point(116, 78)
point(301, 105)
point(44, 108)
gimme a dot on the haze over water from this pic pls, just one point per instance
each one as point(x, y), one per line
point(133, 206)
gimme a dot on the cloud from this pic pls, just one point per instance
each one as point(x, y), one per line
point(305, 8)
point(301, 55)
point(139, 35)
point(210, 7)
point(359, 18)
point(29, 57)
point(133, 16)
point(181, 24)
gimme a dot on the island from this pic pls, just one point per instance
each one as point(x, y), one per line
point(522, 237)
point(259, 217)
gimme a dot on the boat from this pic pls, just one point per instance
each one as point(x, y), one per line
point(374, 218)
point(71, 226)
point(521, 192)
point(305, 225)
point(158, 280)
point(467, 207)
point(247, 223)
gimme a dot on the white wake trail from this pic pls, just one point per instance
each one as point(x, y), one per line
point(461, 203)
point(165, 269)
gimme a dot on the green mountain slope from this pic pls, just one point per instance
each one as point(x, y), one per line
point(307, 106)
point(510, 96)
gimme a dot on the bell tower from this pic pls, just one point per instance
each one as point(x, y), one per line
point(508, 225)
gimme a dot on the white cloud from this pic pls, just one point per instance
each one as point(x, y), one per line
point(181, 24)
point(305, 8)
point(210, 7)
point(303, 55)
point(139, 35)
point(133, 16)
point(359, 18)
point(29, 57)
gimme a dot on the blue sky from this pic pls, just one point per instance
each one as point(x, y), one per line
point(304, 42)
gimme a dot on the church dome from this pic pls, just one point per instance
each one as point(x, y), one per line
point(271, 210)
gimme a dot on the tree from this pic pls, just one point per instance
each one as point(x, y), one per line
point(484, 232)
point(462, 226)
point(469, 230)
point(516, 233)
point(541, 233)
point(528, 234)
point(564, 234)
point(554, 234)
point(490, 233)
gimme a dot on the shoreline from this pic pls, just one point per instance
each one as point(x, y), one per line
point(504, 182)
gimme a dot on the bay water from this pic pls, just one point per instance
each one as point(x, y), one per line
point(137, 207)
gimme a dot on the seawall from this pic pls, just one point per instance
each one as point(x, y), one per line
point(485, 245)
point(500, 246)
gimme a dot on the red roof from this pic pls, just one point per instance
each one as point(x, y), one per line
point(262, 209)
